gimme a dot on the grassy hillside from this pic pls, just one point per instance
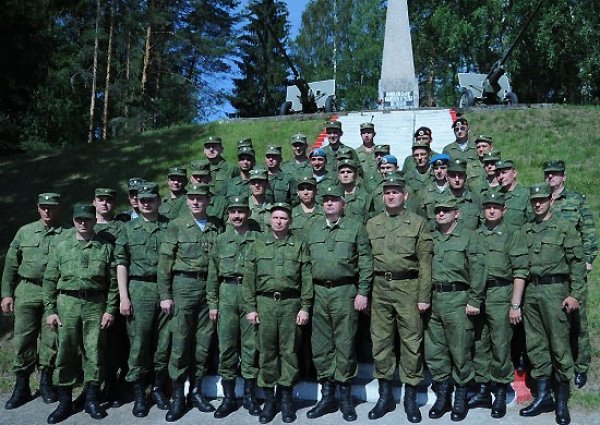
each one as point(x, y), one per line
point(529, 136)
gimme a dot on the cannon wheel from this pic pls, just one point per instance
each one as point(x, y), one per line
point(511, 98)
point(465, 99)
point(285, 108)
point(330, 104)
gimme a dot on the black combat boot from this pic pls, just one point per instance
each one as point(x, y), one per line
point(158, 395)
point(92, 404)
point(288, 413)
point(250, 402)
point(499, 404)
point(269, 410)
point(386, 402)
point(443, 391)
point(327, 403)
point(580, 379)
point(65, 406)
point(483, 398)
point(178, 406)
point(140, 403)
point(346, 404)
point(47, 390)
point(413, 414)
point(229, 404)
point(542, 402)
point(22, 392)
point(460, 407)
point(562, 409)
point(198, 400)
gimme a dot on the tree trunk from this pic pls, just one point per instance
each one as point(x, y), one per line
point(94, 76)
point(147, 49)
point(108, 66)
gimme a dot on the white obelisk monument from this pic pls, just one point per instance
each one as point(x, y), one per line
point(398, 86)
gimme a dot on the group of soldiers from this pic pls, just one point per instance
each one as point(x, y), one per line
point(446, 256)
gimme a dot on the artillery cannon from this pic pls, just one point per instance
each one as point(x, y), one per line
point(494, 87)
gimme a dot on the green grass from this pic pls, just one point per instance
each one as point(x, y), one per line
point(529, 136)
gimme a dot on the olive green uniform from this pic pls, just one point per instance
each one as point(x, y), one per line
point(283, 187)
point(402, 251)
point(470, 209)
point(332, 156)
point(301, 220)
point(518, 208)
point(221, 173)
point(469, 154)
point(366, 161)
point(277, 284)
point(24, 268)
point(342, 267)
point(359, 204)
point(182, 274)
point(171, 207)
point(80, 285)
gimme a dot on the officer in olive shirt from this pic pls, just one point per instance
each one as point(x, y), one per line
point(303, 213)
point(359, 203)
point(175, 201)
point(556, 284)
point(220, 170)
point(462, 148)
point(518, 208)
point(278, 291)
point(364, 152)
point(81, 301)
point(335, 145)
point(24, 268)
point(300, 164)
point(402, 251)
point(458, 284)
point(342, 274)
point(503, 249)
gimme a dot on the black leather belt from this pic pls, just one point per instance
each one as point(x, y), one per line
point(494, 283)
point(280, 295)
point(84, 294)
point(37, 282)
point(191, 275)
point(413, 274)
point(232, 280)
point(450, 287)
point(144, 278)
point(553, 278)
point(335, 283)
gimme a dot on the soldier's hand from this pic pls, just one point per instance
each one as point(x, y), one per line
point(213, 314)
point(53, 321)
point(423, 307)
point(107, 321)
point(167, 306)
point(361, 303)
point(302, 318)
point(125, 307)
point(471, 311)
point(253, 318)
point(570, 304)
point(8, 305)
point(515, 316)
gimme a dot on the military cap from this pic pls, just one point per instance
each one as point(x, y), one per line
point(49, 198)
point(367, 126)
point(423, 131)
point(446, 201)
point(245, 143)
point(177, 171)
point(84, 211)
point(540, 190)
point(460, 120)
point(554, 165)
point(258, 174)
point(281, 206)
point(347, 163)
point(134, 182)
point(439, 159)
point(457, 165)
point(336, 125)
point(384, 149)
point(213, 140)
point(200, 168)
point(299, 138)
point(484, 139)
point(317, 152)
point(417, 144)
point(345, 153)
point(388, 159)
point(148, 190)
point(505, 165)
point(246, 150)
point(393, 179)
point(307, 180)
point(333, 190)
point(240, 201)
point(273, 150)
point(198, 189)
point(104, 191)
point(492, 197)
point(492, 156)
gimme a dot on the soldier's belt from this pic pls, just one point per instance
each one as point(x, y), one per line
point(144, 278)
point(553, 278)
point(280, 295)
point(191, 275)
point(450, 287)
point(37, 282)
point(232, 280)
point(335, 283)
point(413, 274)
point(85, 294)
point(493, 283)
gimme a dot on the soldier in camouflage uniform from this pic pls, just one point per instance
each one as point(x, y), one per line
point(386, 164)
point(278, 292)
point(489, 180)
point(335, 146)
point(572, 206)
point(172, 204)
point(136, 257)
point(422, 136)
point(359, 203)
point(419, 175)
point(281, 183)
point(81, 301)
point(402, 251)
point(364, 152)
point(503, 249)
point(556, 284)
point(318, 163)
point(220, 170)
point(462, 148)
point(257, 201)
point(132, 189)
point(303, 213)
point(201, 174)
point(475, 170)
point(22, 295)
point(300, 164)
point(518, 208)
point(237, 337)
point(181, 277)
point(342, 274)
point(246, 161)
